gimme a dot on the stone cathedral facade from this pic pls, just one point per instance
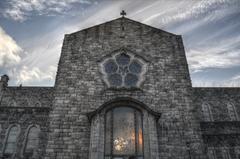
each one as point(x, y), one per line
point(122, 91)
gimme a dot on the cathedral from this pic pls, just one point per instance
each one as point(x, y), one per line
point(122, 91)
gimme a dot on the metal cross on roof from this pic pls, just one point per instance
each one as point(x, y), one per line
point(123, 13)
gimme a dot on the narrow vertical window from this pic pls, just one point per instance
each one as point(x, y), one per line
point(225, 153)
point(207, 112)
point(123, 134)
point(232, 112)
point(11, 142)
point(32, 140)
point(211, 153)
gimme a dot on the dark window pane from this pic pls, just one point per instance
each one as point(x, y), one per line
point(135, 67)
point(123, 131)
point(108, 133)
point(32, 140)
point(122, 59)
point(139, 134)
point(110, 66)
point(131, 80)
point(12, 140)
point(115, 79)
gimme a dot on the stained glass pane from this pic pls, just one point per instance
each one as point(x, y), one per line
point(110, 66)
point(12, 140)
point(123, 131)
point(139, 133)
point(115, 79)
point(131, 80)
point(135, 67)
point(122, 59)
point(108, 133)
point(32, 140)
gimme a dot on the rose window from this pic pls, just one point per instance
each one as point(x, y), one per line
point(123, 70)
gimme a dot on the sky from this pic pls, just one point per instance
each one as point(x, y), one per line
point(32, 31)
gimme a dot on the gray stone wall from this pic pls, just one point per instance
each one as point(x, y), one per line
point(24, 107)
point(80, 88)
point(221, 131)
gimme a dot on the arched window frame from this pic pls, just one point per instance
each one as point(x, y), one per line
point(225, 153)
point(207, 112)
point(38, 104)
point(97, 120)
point(7, 137)
point(136, 113)
point(12, 103)
point(26, 137)
point(211, 153)
point(232, 112)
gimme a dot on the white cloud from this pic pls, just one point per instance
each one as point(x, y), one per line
point(9, 50)
point(33, 75)
point(19, 10)
point(233, 82)
point(216, 54)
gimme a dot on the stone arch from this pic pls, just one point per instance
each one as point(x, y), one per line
point(38, 104)
point(207, 112)
point(6, 140)
point(124, 100)
point(98, 127)
point(232, 112)
point(26, 140)
point(12, 103)
point(225, 152)
point(27, 102)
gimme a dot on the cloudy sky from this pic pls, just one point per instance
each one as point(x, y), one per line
point(31, 34)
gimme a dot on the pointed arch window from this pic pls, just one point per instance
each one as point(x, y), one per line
point(11, 140)
point(211, 153)
point(225, 153)
point(31, 141)
point(123, 133)
point(207, 112)
point(232, 112)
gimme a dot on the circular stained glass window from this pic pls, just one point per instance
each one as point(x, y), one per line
point(123, 70)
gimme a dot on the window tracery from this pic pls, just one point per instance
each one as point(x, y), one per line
point(123, 70)
point(123, 133)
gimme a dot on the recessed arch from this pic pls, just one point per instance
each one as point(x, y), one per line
point(12, 103)
point(31, 141)
point(148, 118)
point(123, 132)
point(207, 112)
point(121, 101)
point(38, 104)
point(232, 112)
point(11, 140)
